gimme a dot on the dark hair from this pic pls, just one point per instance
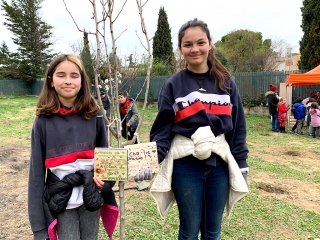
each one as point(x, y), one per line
point(299, 100)
point(49, 102)
point(125, 94)
point(217, 71)
point(312, 100)
point(314, 105)
point(312, 94)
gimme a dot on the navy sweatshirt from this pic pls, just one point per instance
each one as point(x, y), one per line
point(183, 109)
point(64, 144)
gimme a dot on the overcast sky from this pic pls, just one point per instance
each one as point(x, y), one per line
point(274, 19)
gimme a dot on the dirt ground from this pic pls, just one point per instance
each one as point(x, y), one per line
point(14, 222)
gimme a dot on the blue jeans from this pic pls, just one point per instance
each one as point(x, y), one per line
point(201, 193)
point(275, 124)
point(314, 131)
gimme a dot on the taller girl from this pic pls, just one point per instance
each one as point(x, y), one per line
point(202, 94)
point(66, 130)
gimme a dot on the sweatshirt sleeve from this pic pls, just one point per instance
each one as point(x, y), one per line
point(36, 184)
point(161, 129)
point(237, 136)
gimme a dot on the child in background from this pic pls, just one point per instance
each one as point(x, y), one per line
point(129, 116)
point(106, 103)
point(282, 114)
point(315, 120)
point(299, 115)
point(63, 195)
point(308, 106)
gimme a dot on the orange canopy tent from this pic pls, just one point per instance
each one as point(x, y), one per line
point(309, 78)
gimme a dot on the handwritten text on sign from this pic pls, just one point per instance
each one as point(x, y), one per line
point(142, 160)
point(111, 164)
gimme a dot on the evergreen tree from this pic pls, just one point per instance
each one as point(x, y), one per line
point(8, 67)
point(112, 59)
point(87, 58)
point(221, 58)
point(309, 44)
point(31, 35)
point(162, 44)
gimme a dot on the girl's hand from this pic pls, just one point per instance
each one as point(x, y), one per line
point(99, 183)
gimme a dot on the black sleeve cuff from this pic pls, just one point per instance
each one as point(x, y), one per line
point(107, 186)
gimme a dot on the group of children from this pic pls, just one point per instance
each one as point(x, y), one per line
point(300, 111)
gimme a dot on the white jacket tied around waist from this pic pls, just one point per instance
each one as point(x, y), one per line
point(201, 145)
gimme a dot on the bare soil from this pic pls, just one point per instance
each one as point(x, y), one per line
point(14, 161)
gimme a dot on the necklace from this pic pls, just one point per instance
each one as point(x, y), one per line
point(201, 89)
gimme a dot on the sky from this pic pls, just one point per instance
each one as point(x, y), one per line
point(274, 19)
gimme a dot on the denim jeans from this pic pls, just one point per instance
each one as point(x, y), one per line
point(275, 124)
point(201, 192)
point(78, 223)
point(317, 132)
point(314, 131)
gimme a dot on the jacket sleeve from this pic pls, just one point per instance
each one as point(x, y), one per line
point(282, 108)
point(161, 129)
point(134, 116)
point(270, 100)
point(36, 184)
point(237, 136)
point(301, 111)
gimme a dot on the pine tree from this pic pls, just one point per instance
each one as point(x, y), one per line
point(31, 35)
point(86, 57)
point(309, 44)
point(8, 67)
point(162, 44)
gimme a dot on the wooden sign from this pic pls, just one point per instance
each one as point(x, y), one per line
point(111, 164)
point(142, 161)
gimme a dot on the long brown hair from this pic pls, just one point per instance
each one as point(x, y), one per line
point(217, 72)
point(49, 103)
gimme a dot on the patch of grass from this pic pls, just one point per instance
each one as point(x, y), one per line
point(279, 170)
point(16, 118)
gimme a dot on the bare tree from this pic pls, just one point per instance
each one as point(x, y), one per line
point(112, 83)
point(279, 50)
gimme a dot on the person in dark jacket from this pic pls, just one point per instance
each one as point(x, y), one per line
point(129, 116)
point(106, 103)
point(273, 101)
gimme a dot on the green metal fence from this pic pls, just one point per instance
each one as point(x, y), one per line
point(250, 84)
point(15, 87)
